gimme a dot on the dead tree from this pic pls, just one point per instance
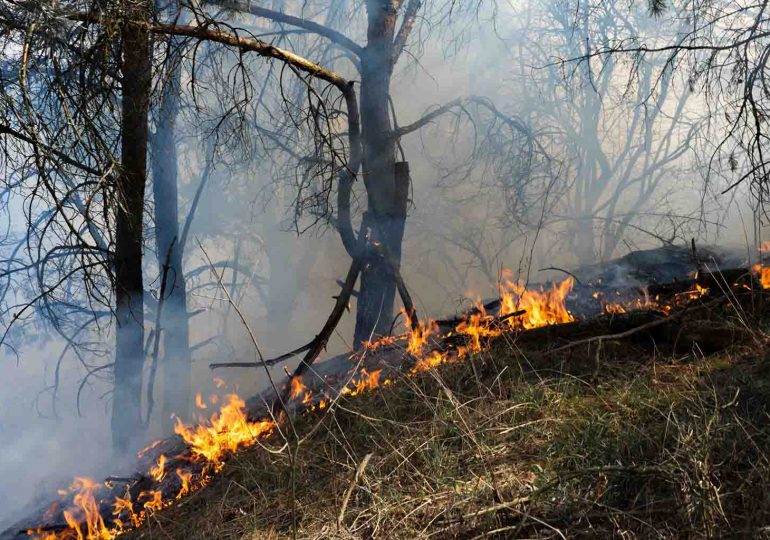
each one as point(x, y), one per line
point(387, 28)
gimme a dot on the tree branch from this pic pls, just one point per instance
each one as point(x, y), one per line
point(406, 28)
point(428, 118)
point(253, 45)
point(246, 6)
point(8, 130)
point(461, 102)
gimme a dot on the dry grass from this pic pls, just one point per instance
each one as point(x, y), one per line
point(514, 444)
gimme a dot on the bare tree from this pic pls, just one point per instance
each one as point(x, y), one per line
point(388, 27)
point(627, 147)
point(722, 49)
point(54, 47)
point(112, 52)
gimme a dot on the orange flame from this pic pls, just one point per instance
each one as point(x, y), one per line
point(124, 505)
point(225, 432)
point(296, 387)
point(159, 471)
point(199, 401)
point(185, 477)
point(542, 307)
point(419, 335)
point(365, 381)
point(763, 274)
point(431, 360)
point(476, 327)
point(84, 518)
point(154, 500)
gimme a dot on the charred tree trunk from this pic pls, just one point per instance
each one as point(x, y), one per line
point(129, 354)
point(174, 325)
point(384, 219)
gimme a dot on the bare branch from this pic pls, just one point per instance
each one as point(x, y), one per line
point(247, 6)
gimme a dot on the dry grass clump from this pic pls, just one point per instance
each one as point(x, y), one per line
point(512, 444)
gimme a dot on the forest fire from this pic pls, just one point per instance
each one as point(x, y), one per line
point(209, 443)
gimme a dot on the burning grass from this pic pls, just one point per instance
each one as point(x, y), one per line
point(211, 443)
point(510, 442)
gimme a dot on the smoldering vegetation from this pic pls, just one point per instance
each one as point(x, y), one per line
point(519, 157)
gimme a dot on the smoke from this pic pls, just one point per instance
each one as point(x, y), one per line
point(40, 453)
point(470, 216)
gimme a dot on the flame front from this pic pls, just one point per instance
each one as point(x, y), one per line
point(544, 307)
point(228, 430)
point(214, 439)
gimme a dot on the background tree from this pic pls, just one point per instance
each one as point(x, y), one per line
point(721, 49)
point(630, 145)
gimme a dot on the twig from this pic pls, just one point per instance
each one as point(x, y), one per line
point(341, 283)
point(456, 320)
point(619, 335)
point(156, 341)
point(577, 279)
point(125, 479)
point(632, 331)
point(243, 319)
point(351, 487)
point(269, 362)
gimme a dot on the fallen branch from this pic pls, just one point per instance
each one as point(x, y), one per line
point(635, 330)
point(269, 362)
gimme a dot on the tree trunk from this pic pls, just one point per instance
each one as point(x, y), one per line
point(129, 340)
point(174, 325)
point(384, 219)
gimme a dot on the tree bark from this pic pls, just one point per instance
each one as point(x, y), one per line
point(129, 340)
point(174, 325)
point(383, 222)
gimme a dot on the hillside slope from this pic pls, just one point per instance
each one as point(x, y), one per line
point(617, 441)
